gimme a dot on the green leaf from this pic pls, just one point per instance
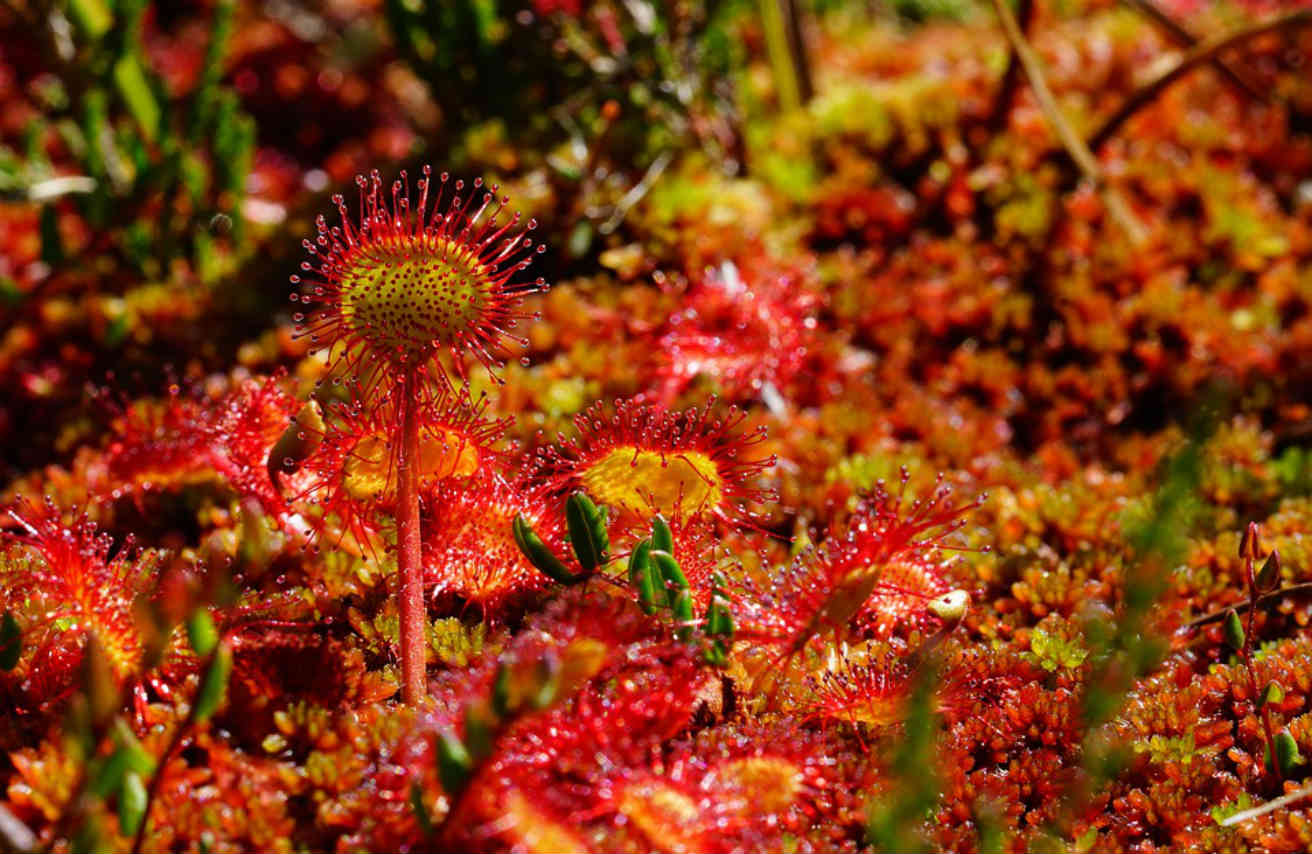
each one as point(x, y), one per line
point(719, 619)
point(134, 88)
point(1273, 694)
point(108, 775)
point(454, 765)
point(662, 538)
point(131, 803)
point(716, 653)
point(1269, 575)
point(540, 555)
point(675, 580)
point(214, 683)
point(1234, 631)
point(52, 243)
point(643, 577)
point(93, 17)
point(422, 816)
point(11, 642)
point(682, 609)
point(138, 759)
point(478, 731)
point(587, 531)
point(548, 675)
point(501, 689)
point(1287, 755)
point(10, 294)
point(201, 632)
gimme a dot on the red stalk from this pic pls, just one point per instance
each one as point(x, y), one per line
point(409, 570)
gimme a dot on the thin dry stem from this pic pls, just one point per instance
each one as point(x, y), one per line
point(1182, 36)
point(1117, 208)
point(1203, 52)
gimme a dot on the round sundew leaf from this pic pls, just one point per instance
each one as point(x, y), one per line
point(388, 290)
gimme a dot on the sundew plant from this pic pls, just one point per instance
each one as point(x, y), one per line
point(640, 425)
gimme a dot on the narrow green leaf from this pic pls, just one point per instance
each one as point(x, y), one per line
point(212, 70)
point(138, 759)
point(1269, 575)
point(662, 538)
point(107, 776)
point(1273, 694)
point(501, 690)
point(93, 17)
point(132, 85)
point(52, 243)
point(454, 765)
point(643, 577)
point(548, 680)
point(214, 683)
point(671, 574)
point(417, 804)
point(1234, 631)
point(131, 803)
point(716, 653)
point(581, 515)
point(540, 555)
point(1287, 755)
point(478, 732)
point(719, 619)
point(201, 632)
point(682, 609)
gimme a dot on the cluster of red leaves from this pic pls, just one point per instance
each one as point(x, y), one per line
point(72, 583)
point(954, 308)
point(752, 331)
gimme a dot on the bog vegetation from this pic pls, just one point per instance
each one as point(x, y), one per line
point(630, 425)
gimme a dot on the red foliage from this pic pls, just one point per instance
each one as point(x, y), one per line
point(645, 459)
point(351, 472)
point(78, 583)
point(470, 552)
point(745, 329)
point(882, 575)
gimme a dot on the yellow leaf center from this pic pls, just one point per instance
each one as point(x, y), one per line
point(640, 481)
point(406, 301)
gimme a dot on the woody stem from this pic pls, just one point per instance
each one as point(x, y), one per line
point(409, 568)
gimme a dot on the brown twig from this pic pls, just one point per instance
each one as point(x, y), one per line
point(1183, 37)
point(1202, 52)
point(792, 15)
point(1117, 208)
point(1241, 607)
point(1011, 77)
